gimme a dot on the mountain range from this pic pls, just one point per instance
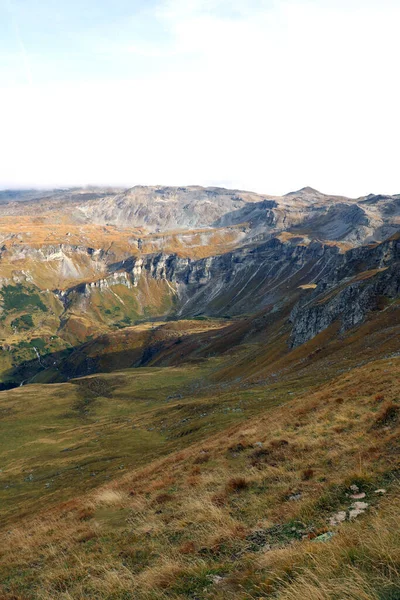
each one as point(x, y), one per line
point(80, 263)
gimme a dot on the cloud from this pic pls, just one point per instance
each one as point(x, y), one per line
point(271, 98)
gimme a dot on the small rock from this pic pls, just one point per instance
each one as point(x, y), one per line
point(259, 444)
point(380, 491)
point(325, 537)
point(354, 488)
point(359, 496)
point(216, 579)
point(358, 508)
point(294, 497)
point(338, 518)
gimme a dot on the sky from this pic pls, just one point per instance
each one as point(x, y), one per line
point(263, 95)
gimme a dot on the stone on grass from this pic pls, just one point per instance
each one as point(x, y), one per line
point(325, 537)
point(356, 509)
point(337, 518)
point(216, 579)
point(295, 497)
point(359, 496)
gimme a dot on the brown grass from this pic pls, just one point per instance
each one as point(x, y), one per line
point(251, 514)
point(388, 415)
point(236, 484)
point(307, 474)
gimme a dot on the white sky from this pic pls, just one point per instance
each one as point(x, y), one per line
point(268, 96)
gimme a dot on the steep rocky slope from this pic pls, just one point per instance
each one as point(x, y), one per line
point(78, 264)
point(301, 289)
point(169, 208)
point(361, 280)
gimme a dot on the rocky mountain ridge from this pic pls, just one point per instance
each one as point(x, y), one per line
point(78, 264)
point(158, 208)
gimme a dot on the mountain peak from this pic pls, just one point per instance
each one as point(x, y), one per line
point(305, 191)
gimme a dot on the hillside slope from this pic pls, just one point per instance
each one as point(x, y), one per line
point(200, 395)
point(267, 506)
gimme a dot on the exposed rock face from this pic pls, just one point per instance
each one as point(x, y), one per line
point(348, 285)
point(166, 208)
point(85, 289)
point(236, 282)
point(124, 258)
point(159, 208)
point(360, 281)
point(327, 217)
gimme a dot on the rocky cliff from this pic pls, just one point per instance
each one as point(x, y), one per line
point(237, 282)
point(76, 264)
point(361, 280)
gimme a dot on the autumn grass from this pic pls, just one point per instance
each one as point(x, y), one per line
point(238, 514)
point(57, 441)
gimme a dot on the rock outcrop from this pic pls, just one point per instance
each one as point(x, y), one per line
point(82, 263)
point(359, 281)
point(237, 282)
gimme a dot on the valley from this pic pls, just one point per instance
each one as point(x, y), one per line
point(196, 382)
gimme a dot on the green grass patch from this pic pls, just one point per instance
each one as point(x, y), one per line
point(18, 298)
point(23, 323)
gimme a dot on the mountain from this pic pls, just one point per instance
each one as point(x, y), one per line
point(80, 263)
point(200, 394)
point(160, 209)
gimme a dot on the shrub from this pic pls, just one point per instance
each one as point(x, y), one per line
point(237, 448)
point(307, 474)
point(259, 455)
point(237, 484)
point(163, 498)
point(17, 297)
point(279, 443)
point(219, 499)
point(202, 458)
point(23, 322)
point(85, 514)
point(187, 548)
point(387, 416)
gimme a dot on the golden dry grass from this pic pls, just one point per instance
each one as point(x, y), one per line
point(235, 516)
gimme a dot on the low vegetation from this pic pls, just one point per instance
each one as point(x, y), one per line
point(18, 297)
point(225, 505)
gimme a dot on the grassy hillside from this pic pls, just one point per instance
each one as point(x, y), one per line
point(35, 326)
point(147, 457)
point(247, 511)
